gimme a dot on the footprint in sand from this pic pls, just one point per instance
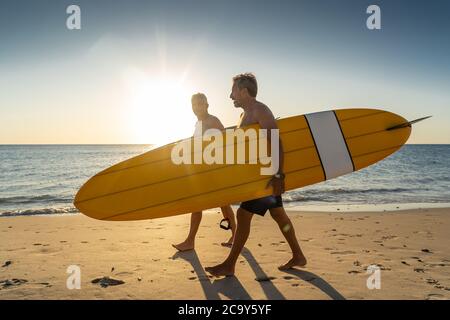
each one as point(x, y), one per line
point(379, 266)
point(288, 278)
point(15, 249)
point(438, 286)
point(124, 273)
point(13, 282)
point(309, 278)
point(432, 281)
point(343, 252)
point(354, 272)
point(37, 244)
point(7, 263)
point(192, 278)
point(264, 278)
point(46, 284)
point(389, 237)
point(436, 265)
point(435, 296)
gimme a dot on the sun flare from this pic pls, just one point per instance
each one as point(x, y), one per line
point(161, 111)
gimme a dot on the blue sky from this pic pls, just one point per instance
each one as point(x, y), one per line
point(127, 75)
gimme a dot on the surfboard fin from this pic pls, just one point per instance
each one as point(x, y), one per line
point(407, 124)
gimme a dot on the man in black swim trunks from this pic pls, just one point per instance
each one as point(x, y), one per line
point(243, 94)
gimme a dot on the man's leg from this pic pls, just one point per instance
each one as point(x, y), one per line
point(189, 243)
point(228, 213)
point(244, 219)
point(286, 227)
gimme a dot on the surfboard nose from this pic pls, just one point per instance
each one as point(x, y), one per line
point(367, 135)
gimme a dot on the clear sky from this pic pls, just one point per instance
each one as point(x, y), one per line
point(128, 74)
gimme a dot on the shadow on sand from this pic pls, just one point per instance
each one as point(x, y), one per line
point(317, 282)
point(229, 286)
point(232, 288)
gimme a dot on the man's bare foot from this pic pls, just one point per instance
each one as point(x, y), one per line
point(184, 246)
point(221, 270)
point(294, 262)
point(229, 243)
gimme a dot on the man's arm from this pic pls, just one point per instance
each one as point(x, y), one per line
point(267, 121)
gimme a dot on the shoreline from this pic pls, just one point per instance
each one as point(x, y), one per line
point(313, 208)
point(410, 247)
point(386, 207)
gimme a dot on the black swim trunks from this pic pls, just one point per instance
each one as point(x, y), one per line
point(261, 205)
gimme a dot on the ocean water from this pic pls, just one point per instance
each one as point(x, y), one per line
point(43, 179)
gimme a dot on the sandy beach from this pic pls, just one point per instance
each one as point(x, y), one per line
point(410, 247)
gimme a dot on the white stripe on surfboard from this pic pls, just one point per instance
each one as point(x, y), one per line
point(330, 144)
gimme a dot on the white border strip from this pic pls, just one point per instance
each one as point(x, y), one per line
point(330, 144)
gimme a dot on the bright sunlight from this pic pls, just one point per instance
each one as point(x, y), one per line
point(160, 110)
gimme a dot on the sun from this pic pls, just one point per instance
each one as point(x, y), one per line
point(161, 111)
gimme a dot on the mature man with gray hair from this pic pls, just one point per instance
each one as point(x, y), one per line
point(243, 94)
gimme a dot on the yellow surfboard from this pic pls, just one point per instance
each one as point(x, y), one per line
point(317, 147)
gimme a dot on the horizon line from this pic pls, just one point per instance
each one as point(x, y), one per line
point(136, 144)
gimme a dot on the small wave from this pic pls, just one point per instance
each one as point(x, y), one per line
point(25, 199)
point(35, 212)
point(328, 195)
